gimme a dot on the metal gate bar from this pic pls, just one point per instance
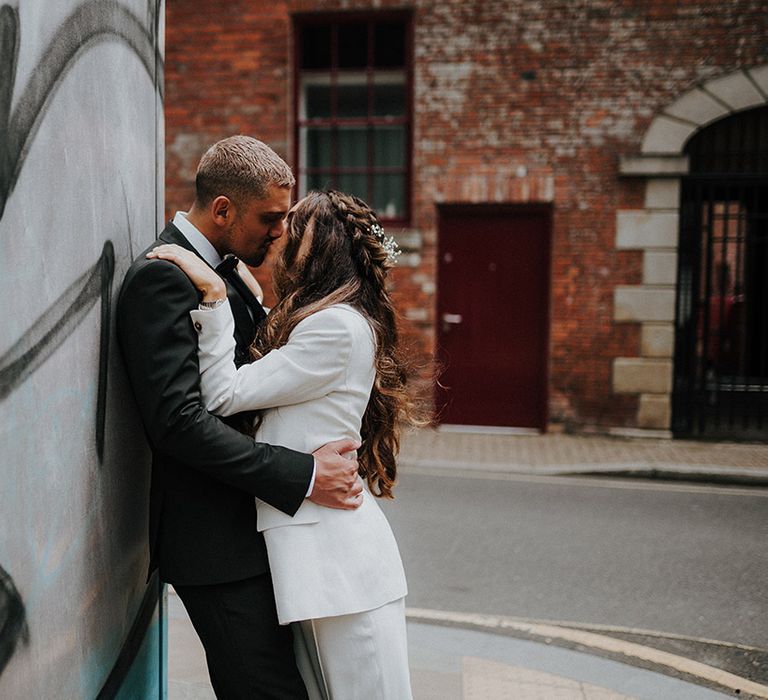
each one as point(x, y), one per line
point(721, 345)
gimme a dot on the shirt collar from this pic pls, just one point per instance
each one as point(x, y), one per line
point(197, 239)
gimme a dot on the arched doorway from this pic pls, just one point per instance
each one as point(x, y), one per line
point(721, 327)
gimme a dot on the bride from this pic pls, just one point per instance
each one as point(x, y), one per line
point(327, 365)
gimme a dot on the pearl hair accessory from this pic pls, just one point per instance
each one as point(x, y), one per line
point(387, 242)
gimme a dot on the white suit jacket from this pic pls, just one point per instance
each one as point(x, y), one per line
point(324, 561)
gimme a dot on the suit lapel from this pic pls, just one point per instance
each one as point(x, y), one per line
point(170, 234)
point(245, 330)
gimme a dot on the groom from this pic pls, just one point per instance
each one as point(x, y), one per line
point(205, 474)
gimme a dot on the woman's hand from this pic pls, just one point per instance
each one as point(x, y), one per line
point(250, 280)
point(210, 285)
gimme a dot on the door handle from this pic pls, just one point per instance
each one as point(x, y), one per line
point(450, 320)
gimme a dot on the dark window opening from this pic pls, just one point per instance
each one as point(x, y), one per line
point(353, 127)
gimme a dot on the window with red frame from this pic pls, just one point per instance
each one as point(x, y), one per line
point(353, 109)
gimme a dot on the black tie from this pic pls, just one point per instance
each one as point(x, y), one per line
point(227, 268)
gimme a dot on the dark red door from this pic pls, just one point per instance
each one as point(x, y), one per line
point(492, 315)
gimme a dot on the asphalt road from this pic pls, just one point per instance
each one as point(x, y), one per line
point(676, 559)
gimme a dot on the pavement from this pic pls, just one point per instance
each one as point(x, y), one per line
point(456, 656)
point(510, 452)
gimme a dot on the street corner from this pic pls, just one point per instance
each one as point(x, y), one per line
point(468, 657)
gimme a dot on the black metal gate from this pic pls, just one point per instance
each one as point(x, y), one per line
point(721, 341)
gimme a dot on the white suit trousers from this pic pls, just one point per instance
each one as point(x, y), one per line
point(349, 657)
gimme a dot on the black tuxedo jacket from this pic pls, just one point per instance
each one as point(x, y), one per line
point(202, 515)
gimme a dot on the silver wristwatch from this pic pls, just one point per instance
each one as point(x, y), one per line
point(208, 305)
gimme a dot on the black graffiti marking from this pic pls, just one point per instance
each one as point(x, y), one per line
point(13, 624)
point(50, 330)
point(107, 261)
point(91, 23)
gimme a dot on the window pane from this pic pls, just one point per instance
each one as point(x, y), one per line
point(352, 100)
point(356, 184)
point(319, 150)
point(389, 195)
point(353, 147)
point(353, 81)
point(389, 146)
point(388, 98)
point(317, 98)
point(315, 46)
point(353, 45)
point(389, 44)
point(318, 181)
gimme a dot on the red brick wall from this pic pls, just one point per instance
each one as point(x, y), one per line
point(516, 100)
point(226, 72)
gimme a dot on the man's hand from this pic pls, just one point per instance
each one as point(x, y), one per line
point(336, 482)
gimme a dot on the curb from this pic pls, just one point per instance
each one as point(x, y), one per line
point(736, 476)
point(630, 652)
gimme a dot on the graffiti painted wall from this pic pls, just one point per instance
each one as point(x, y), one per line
point(80, 192)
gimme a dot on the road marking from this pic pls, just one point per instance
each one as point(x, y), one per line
point(594, 641)
point(637, 484)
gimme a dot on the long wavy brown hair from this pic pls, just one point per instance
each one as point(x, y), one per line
point(342, 261)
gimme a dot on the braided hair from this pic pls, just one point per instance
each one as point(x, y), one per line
point(333, 255)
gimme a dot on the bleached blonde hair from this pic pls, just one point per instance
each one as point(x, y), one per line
point(241, 168)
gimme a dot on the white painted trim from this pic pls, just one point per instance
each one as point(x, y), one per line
point(666, 135)
point(702, 105)
point(735, 90)
point(698, 107)
point(759, 76)
point(654, 166)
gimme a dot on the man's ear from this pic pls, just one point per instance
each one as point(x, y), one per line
point(222, 211)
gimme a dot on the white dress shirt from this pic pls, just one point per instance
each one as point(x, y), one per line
point(197, 239)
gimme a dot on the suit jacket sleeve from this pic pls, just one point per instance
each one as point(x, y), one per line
point(311, 364)
point(159, 346)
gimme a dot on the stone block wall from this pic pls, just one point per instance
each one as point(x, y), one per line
point(654, 231)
